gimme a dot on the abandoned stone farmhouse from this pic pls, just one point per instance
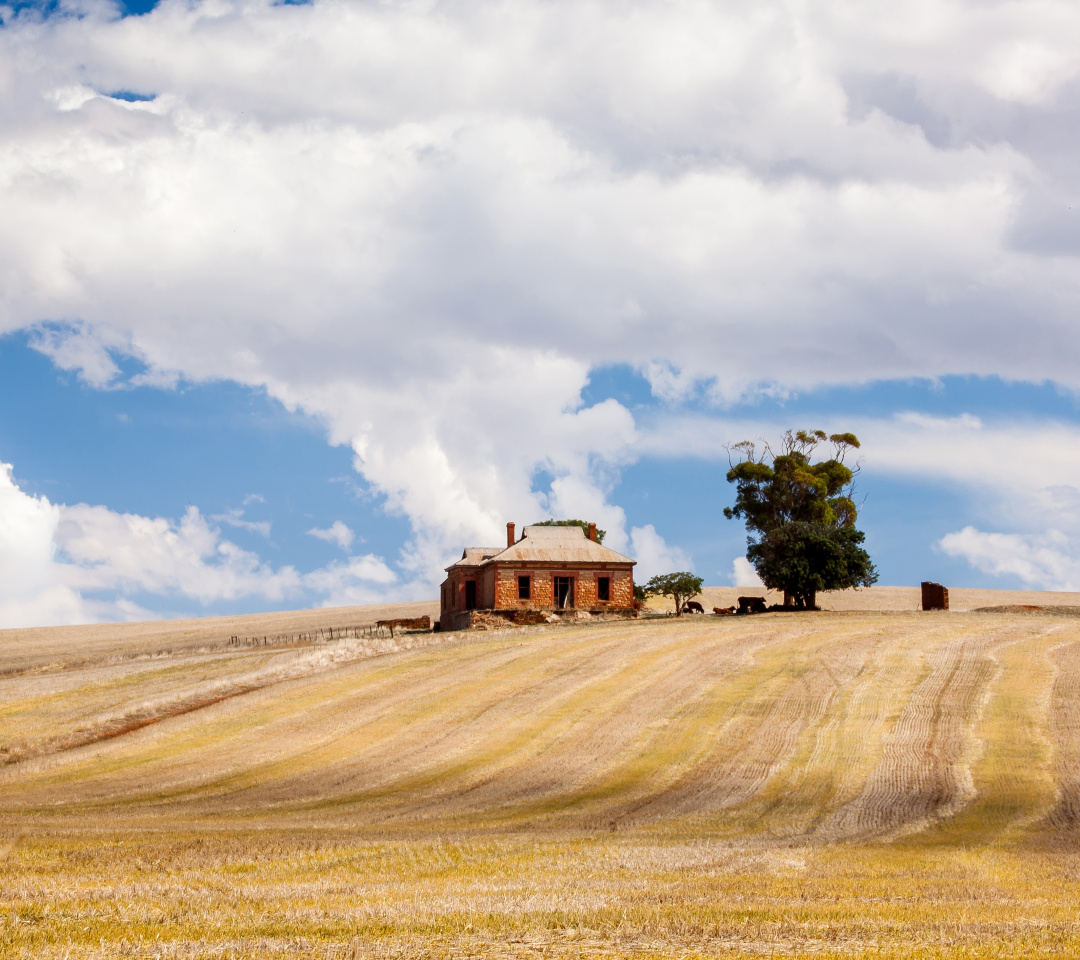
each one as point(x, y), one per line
point(548, 570)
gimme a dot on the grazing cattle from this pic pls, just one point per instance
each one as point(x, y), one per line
point(692, 606)
point(752, 605)
point(723, 611)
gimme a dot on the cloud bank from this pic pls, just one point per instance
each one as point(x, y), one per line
point(425, 223)
point(75, 564)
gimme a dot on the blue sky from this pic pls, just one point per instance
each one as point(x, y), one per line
point(264, 475)
point(273, 477)
point(296, 300)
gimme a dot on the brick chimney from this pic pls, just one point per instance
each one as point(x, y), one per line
point(592, 532)
point(509, 534)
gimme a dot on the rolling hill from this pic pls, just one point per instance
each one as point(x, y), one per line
point(899, 741)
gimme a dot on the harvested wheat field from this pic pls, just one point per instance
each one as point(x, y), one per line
point(829, 784)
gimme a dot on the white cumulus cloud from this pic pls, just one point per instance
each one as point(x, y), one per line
point(1048, 561)
point(655, 556)
point(80, 563)
point(743, 574)
point(101, 549)
point(337, 532)
point(29, 592)
point(425, 223)
point(234, 517)
point(365, 579)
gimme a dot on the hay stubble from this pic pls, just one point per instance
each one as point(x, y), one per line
point(835, 784)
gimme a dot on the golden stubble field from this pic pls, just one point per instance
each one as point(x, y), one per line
point(836, 784)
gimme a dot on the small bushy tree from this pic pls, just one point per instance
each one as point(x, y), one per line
point(600, 534)
point(680, 587)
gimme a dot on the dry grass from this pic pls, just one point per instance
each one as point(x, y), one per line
point(51, 648)
point(320, 895)
point(848, 784)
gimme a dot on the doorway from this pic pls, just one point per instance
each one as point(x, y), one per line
point(470, 594)
point(564, 592)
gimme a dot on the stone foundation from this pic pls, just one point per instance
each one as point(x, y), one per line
point(500, 619)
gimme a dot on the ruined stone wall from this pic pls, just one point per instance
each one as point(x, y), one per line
point(449, 592)
point(934, 596)
point(485, 589)
point(452, 592)
point(448, 601)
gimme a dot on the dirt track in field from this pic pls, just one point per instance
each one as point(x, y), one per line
point(822, 727)
point(1065, 733)
point(921, 774)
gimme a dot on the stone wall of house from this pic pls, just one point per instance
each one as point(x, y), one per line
point(506, 591)
point(543, 590)
point(497, 588)
point(622, 589)
point(543, 594)
point(585, 590)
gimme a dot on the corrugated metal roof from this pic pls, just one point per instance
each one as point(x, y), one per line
point(474, 556)
point(544, 545)
point(554, 533)
point(558, 545)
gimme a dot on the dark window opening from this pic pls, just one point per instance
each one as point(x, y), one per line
point(603, 588)
point(470, 594)
point(524, 588)
point(564, 592)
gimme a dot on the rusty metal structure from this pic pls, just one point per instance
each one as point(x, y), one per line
point(934, 596)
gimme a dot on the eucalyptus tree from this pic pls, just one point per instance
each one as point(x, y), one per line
point(800, 515)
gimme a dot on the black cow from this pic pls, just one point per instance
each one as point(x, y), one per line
point(752, 605)
point(692, 606)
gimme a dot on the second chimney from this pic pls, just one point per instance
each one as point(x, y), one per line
point(592, 532)
point(509, 534)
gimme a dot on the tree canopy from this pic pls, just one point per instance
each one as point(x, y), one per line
point(800, 515)
point(680, 587)
point(600, 534)
point(773, 489)
point(803, 558)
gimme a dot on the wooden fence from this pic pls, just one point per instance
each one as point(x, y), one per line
point(367, 631)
